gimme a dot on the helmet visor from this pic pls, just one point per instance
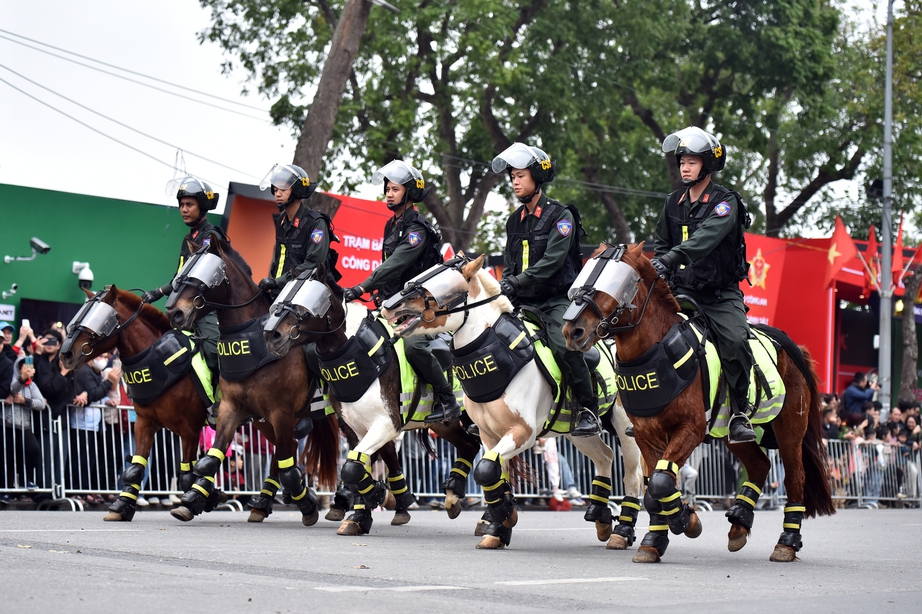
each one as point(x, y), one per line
point(207, 269)
point(445, 286)
point(689, 140)
point(396, 171)
point(279, 177)
point(617, 279)
point(187, 185)
point(310, 296)
point(517, 155)
point(96, 317)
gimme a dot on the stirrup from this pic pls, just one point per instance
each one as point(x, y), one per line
point(746, 436)
point(587, 425)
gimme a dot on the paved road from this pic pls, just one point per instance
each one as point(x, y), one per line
point(856, 561)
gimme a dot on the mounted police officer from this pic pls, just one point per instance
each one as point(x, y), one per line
point(701, 251)
point(542, 258)
point(196, 199)
point(411, 245)
point(302, 235)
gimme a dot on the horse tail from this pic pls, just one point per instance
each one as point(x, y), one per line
point(817, 497)
point(520, 473)
point(321, 453)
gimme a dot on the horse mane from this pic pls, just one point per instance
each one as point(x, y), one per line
point(634, 257)
point(491, 288)
point(234, 256)
point(150, 314)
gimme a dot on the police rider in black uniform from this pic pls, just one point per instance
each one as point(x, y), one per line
point(196, 198)
point(701, 250)
point(542, 258)
point(411, 245)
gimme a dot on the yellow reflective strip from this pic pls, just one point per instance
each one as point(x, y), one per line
point(182, 261)
point(175, 356)
point(683, 359)
point(469, 464)
point(491, 501)
point(299, 497)
point(631, 505)
point(795, 508)
point(367, 490)
point(493, 456)
point(667, 465)
point(401, 491)
point(598, 498)
point(395, 478)
point(377, 345)
point(658, 527)
point(201, 489)
point(601, 484)
point(626, 518)
point(218, 454)
point(505, 476)
point(128, 495)
point(746, 499)
point(791, 525)
point(494, 486)
point(210, 478)
point(136, 487)
point(459, 472)
point(524, 255)
point(140, 460)
point(358, 456)
point(288, 462)
point(671, 497)
point(752, 486)
point(273, 482)
point(674, 510)
point(684, 234)
point(517, 339)
point(358, 506)
point(185, 466)
point(267, 492)
point(278, 272)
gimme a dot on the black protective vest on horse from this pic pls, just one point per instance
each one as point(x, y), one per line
point(396, 230)
point(242, 349)
point(148, 373)
point(537, 245)
point(296, 246)
point(726, 265)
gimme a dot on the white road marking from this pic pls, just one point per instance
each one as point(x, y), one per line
point(397, 589)
point(568, 581)
point(70, 530)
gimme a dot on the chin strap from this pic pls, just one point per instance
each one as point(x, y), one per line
point(527, 199)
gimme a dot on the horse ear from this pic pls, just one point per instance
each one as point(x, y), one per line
point(637, 249)
point(89, 293)
point(470, 269)
point(111, 294)
point(192, 247)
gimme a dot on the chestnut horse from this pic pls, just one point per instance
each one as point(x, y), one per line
point(276, 390)
point(460, 297)
point(309, 311)
point(605, 304)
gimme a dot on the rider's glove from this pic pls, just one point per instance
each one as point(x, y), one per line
point(509, 286)
point(662, 265)
point(151, 296)
point(350, 294)
point(268, 284)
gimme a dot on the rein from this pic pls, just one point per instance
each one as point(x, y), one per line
point(606, 326)
point(96, 339)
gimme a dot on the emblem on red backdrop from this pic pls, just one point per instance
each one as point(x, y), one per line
point(758, 269)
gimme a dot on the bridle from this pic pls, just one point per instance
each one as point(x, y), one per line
point(183, 279)
point(97, 337)
point(280, 308)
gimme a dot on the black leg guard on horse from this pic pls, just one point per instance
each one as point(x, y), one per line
point(598, 510)
point(186, 477)
point(497, 494)
point(266, 497)
point(793, 518)
point(662, 487)
point(302, 496)
point(627, 520)
point(126, 504)
point(743, 508)
point(456, 481)
point(658, 535)
point(341, 498)
point(356, 473)
point(197, 497)
point(398, 486)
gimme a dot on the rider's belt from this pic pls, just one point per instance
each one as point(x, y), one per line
point(150, 372)
point(487, 365)
point(649, 383)
point(351, 369)
point(242, 349)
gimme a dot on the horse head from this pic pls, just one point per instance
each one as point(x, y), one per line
point(200, 285)
point(305, 310)
point(94, 330)
point(428, 302)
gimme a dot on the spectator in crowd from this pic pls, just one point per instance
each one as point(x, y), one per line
point(57, 386)
point(912, 426)
point(858, 392)
point(25, 398)
point(6, 372)
point(870, 461)
point(895, 418)
point(25, 343)
point(832, 425)
point(6, 342)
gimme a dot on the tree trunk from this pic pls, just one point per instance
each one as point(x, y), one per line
point(321, 117)
point(909, 377)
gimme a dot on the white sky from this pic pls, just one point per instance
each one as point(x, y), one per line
point(41, 148)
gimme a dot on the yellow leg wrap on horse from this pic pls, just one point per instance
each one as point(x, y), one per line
point(218, 454)
point(140, 460)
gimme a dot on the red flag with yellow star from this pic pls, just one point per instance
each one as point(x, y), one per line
point(871, 278)
point(840, 251)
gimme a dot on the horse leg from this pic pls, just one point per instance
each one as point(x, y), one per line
point(367, 493)
point(290, 475)
point(790, 437)
point(261, 505)
point(397, 484)
point(455, 485)
point(342, 498)
point(123, 508)
point(741, 513)
point(598, 511)
point(623, 534)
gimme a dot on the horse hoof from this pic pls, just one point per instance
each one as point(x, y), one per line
point(602, 530)
point(182, 513)
point(350, 527)
point(309, 520)
point(257, 515)
point(390, 503)
point(646, 554)
point(114, 517)
point(617, 542)
point(490, 542)
point(480, 527)
point(737, 538)
point(694, 526)
point(335, 514)
point(452, 504)
point(512, 520)
point(222, 497)
point(401, 517)
point(783, 554)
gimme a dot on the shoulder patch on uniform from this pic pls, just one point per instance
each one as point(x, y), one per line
point(317, 235)
point(414, 239)
point(206, 241)
point(564, 227)
point(722, 208)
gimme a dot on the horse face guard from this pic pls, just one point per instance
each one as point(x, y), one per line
point(441, 287)
point(97, 319)
point(204, 272)
point(609, 274)
point(304, 298)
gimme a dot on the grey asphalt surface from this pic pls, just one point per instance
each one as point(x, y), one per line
point(855, 561)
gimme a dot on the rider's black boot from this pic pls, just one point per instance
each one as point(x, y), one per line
point(445, 407)
point(740, 429)
point(587, 424)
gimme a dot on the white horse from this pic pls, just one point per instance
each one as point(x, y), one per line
point(511, 423)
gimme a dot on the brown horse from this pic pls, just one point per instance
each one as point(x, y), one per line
point(253, 383)
point(116, 318)
point(309, 311)
point(606, 303)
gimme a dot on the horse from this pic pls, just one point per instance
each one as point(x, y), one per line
point(114, 318)
point(460, 297)
point(306, 312)
point(253, 383)
point(606, 295)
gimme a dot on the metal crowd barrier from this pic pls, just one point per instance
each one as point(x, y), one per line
point(85, 451)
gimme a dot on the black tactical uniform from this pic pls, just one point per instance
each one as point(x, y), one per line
point(301, 243)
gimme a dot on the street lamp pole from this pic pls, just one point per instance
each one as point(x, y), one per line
point(887, 286)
